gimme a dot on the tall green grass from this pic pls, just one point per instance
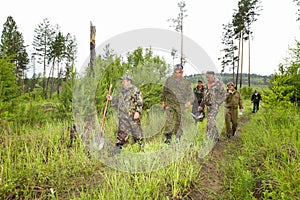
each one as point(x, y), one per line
point(36, 163)
point(266, 166)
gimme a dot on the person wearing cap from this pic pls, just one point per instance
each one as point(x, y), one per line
point(199, 94)
point(129, 104)
point(213, 98)
point(177, 95)
point(233, 102)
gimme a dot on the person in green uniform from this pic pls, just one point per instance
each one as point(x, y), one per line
point(233, 102)
point(177, 95)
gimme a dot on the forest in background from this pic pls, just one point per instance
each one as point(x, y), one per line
point(37, 160)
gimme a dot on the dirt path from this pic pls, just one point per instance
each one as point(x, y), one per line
point(211, 177)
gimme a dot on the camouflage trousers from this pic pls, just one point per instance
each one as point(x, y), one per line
point(129, 125)
point(174, 114)
point(231, 116)
point(211, 127)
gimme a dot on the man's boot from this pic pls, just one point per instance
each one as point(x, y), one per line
point(168, 138)
point(117, 150)
point(233, 132)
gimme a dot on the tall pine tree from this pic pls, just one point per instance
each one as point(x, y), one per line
point(8, 87)
point(44, 36)
point(12, 46)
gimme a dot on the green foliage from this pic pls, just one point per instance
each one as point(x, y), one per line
point(24, 111)
point(142, 65)
point(298, 11)
point(8, 86)
point(12, 46)
point(246, 92)
point(106, 72)
point(65, 98)
point(285, 84)
point(269, 158)
point(246, 14)
point(151, 95)
point(38, 164)
point(52, 46)
point(230, 47)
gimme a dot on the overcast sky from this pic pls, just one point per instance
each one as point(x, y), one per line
point(275, 30)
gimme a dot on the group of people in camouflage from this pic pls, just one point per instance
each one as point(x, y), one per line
point(177, 96)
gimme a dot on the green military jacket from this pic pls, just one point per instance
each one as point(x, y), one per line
point(215, 95)
point(233, 100)
point(177, 91)
point(129, 101)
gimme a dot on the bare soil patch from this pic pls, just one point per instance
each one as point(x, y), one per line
point(212, 176)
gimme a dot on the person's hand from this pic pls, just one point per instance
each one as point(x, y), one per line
point(108, 97)
point(136, 115)
point(163, 105)
point(187, 104)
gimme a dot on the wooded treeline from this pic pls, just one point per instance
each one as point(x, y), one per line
point(54, 53)
point(53, 50)
point(235, 34)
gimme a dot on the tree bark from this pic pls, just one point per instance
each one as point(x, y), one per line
point(233, 67)
point(238, 63)
point(92, 47)
point(249, 61)
point(242, 53)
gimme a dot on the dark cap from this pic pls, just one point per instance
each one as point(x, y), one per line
point(199, 81)
point(126, 77)
point(178, 66)
point(210, 72)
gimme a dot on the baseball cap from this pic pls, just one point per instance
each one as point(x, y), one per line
point(126, 77)
point(178, 66)
point(230, 83)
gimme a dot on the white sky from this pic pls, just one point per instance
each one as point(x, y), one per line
point(275, 30)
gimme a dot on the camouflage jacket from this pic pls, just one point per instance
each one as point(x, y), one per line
point(199, 93)
point(129, 101)
point(215, 95)
point(177, 91)
point(233, 100)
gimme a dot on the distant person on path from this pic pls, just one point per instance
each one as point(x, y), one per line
point(177, 95)
point(213, 98)
point(255, 99)
point(199, 94)
point(233, 102)
point(130, 105)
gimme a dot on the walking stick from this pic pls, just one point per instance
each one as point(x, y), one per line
point(101, 142)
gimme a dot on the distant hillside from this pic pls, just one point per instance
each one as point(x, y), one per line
point(255, 79)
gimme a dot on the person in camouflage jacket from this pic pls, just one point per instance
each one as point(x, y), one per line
point(232, 103)
point(199, 94)
point(214, 96)
point(177, 95)
point(129, 104)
